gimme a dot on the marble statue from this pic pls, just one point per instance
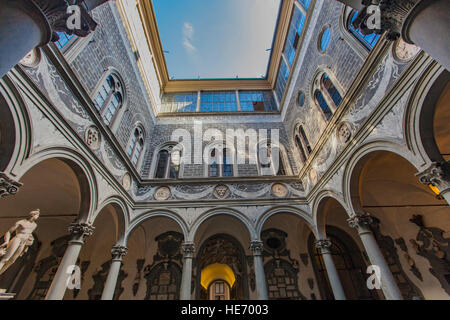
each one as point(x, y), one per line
point(13, 248)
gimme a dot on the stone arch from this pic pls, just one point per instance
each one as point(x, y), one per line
point(318, 213)
point(152, 214)
point(284, 209)
point(418, 123)
point(121, 215)
point(221, 211)
point(82, 169)
point(357, 161)
point(15, 127)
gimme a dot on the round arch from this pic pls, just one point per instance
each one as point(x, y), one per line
point(357, 161)
point(221, 211)
point(318, 213)
point(81, 168)
point(122, 215)
point(15, 127)
point(284, 209)
point(153, 214)
point(418, 122)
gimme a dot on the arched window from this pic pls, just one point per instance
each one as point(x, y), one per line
point(220, 163)
point(168, 163)
point(320, 99)
point(270, 160)
point(302, 143)
point(331, 90)
point(136, 145)
point(369, 40)
point(326, 95)
point(109, 98)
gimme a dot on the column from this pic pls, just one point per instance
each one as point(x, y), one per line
point(256, 246)
point(186, 278)
point(438, 176)
point(8, 186)
point(26, 24)
point(389, 286)
point(324, 247)
point(117, 253)
point(79, 232)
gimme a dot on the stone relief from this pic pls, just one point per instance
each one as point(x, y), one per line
point(221, 191)
point(279, 190)
point(162, 193)
point(92, 137)
point(126, 181)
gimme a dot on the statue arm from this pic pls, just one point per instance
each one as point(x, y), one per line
point(7, 236)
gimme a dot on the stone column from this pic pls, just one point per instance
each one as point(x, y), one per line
point(117, 253)
point(424, 23)
point(256, 246)
point(324, 247)
point(8, 186)
point(437, 175)
point(79, 232)
point(362, 223)
point(186, 278)
point(26, 24)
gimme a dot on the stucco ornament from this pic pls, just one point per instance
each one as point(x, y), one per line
point(404, 51)
point(32, 59)
point(126, 181)
point(221, 191)
point(279, 190)
point(93, 138)
point(344, 132)
point(162, 193)
point(11, 249)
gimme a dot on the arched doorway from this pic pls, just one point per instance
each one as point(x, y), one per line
point(218, 280)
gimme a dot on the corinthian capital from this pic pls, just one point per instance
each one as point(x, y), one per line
point(256, 246)
point(437, 174)
point(323, 244)
point(8, 186)
point(81, 229)
point(188, 249)
point(361, 220)
point(118, 252)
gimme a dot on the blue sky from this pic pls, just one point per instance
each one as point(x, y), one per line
point(216, 38)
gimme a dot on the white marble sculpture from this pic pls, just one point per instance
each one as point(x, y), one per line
point(13, 248)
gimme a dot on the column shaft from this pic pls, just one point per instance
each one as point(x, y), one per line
point(111, 280)
point(186, 279)
point(260, 278)
point(59, 283)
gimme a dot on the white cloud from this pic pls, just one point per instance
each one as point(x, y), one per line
point(188, 36)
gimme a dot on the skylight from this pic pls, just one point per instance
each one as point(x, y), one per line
point(217, 39)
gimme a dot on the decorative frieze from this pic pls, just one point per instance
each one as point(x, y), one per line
point(8, 186)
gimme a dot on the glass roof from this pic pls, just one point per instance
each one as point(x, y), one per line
point(217, 39)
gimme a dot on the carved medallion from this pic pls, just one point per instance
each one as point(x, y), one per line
point(344, 132)
point(405, 51)
point(163, 193)
point(279, 190)
point(313, 177)
point(126, 181)
point(32, 59)
point(92, 137)
point(221, 191)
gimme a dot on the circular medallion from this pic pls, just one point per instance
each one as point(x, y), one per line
point(92, 137)
point(163, 193)
point(32, 59)
point(313, 176)
point(221, 191)
point(279, 190)
point(344, 132)
point(404, 51)
point(126, 181)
